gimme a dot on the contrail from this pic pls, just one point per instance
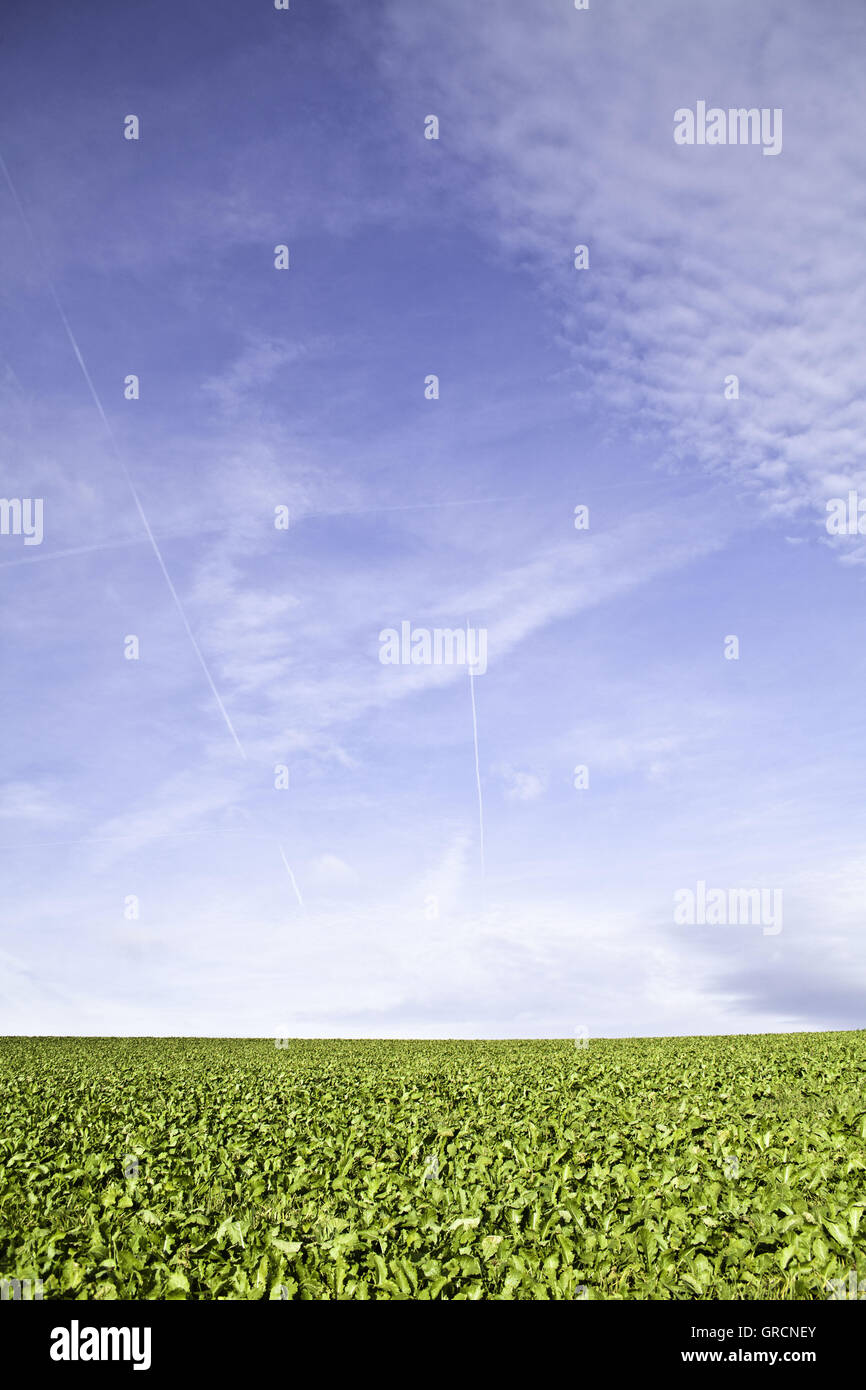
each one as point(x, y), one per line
point(478, 782)
point(75, 550)
point(291, 876)
point(119, 459)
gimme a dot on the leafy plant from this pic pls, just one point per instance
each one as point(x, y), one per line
point(679, 1168)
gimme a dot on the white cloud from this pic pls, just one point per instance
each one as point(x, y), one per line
point(565, 137)
point(42, 803)
point(254, 369)
point(330, 872)
point(521, 786)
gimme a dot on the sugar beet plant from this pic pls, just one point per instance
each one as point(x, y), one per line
point(690, 1168)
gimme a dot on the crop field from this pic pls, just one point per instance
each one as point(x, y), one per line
point(683, 1168)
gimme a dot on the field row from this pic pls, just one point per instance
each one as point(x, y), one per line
point(730, 1168)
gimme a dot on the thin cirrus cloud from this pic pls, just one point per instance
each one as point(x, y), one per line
point(696, 273)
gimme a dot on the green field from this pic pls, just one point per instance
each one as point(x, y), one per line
point(679, 1168)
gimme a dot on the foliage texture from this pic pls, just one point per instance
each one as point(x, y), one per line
point(679, 1168)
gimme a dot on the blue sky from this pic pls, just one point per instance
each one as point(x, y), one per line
point(308, 911)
